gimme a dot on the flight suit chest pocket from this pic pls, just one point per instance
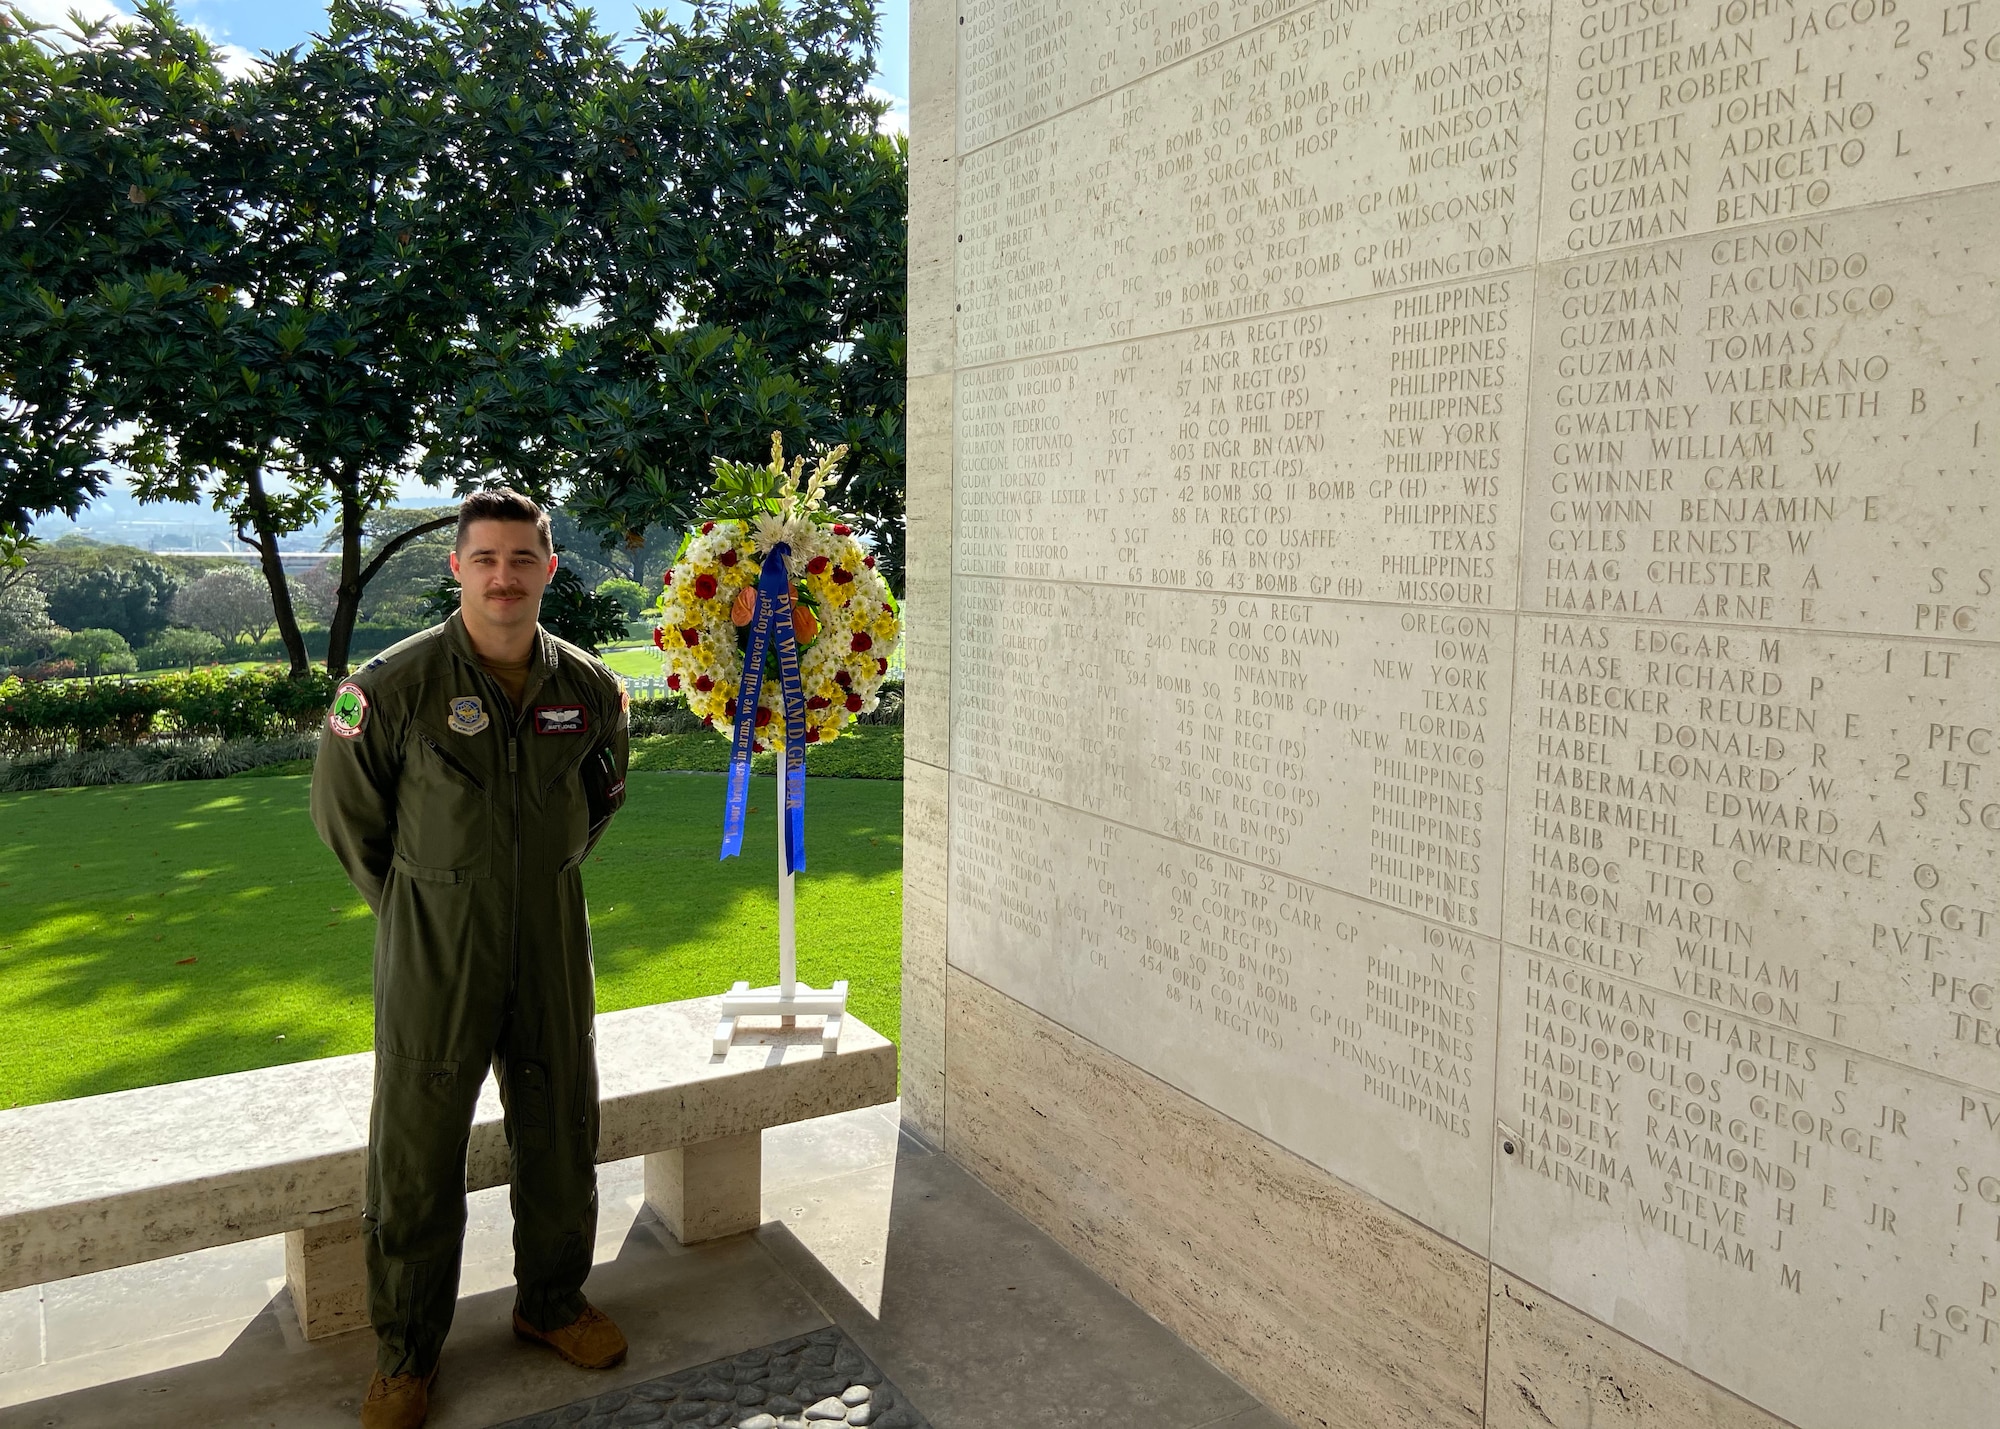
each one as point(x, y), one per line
point(565, 804)
point(444, 811)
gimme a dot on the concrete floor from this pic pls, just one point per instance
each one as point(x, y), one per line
point(980, 1319)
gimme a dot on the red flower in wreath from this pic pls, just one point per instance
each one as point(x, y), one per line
point(842, 678)
point(691, 636)
point(868, 561)
point(763, 717)
point(706, 527)
point(818, 702)
point(842, 575)
point(840, 530)
point(728, 558)
point(812, 736)
point(729, 710)
point(660, 637)
point(881, 667)
point(862, 641)
point(816, 565)
point(703, 683)
point(673, 682)
point(704, 587)
point(854, 703)
point(670, 576)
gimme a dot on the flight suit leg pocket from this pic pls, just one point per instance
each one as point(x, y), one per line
point(530, 1108)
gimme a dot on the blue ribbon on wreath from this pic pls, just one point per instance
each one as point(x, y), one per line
point(772, 624)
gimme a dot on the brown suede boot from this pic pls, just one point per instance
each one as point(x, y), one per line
point(397, 1401)
point(590, 1341)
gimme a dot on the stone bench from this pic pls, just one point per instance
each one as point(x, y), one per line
point(114, 1180)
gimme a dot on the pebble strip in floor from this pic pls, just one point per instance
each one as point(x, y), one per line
point(817, 1381)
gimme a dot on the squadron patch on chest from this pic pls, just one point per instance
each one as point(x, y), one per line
point(561, 719)
point(468, 715)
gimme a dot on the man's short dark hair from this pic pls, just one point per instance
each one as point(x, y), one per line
point(502, 503)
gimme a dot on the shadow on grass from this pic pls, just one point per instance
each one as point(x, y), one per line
point(158, 932)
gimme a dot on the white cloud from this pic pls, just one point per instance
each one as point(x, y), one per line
point(897, 120)
point(234, 59)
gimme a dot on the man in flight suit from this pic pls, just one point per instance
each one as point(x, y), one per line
point(462, 780)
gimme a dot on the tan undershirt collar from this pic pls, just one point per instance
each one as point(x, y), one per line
point(513, 677)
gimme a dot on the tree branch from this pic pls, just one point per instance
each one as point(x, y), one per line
point(401, 539)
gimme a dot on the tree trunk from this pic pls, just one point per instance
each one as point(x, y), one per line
point(347, 605)
point(347, 595)
point(274, 573)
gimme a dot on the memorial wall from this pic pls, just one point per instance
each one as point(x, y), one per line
point(1455, 587)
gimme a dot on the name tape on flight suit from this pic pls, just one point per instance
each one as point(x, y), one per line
point(561, 719)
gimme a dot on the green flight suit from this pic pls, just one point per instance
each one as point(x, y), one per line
point(463, 822)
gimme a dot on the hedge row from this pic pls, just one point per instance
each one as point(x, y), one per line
point(51, 716)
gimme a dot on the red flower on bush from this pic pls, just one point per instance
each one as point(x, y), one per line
point(862, 641)
point(703, 683)
point(854, 703)
point(673, 682)
point(691, 636)
point(704, 587)
point(728, 558)
point(842, 575)
point(816, 565)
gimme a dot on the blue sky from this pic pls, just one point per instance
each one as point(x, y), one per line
point(254, 25)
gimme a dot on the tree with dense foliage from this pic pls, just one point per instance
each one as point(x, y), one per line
point(99, 652)
point(475, 242)
point(231, 604)
point(632, 597)
point(748, 277)
point(178, 645)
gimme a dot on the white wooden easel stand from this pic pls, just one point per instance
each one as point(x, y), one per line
point(791, 998)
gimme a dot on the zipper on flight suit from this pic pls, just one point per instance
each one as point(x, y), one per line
point(514, 780)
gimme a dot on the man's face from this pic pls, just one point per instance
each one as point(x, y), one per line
point(502, 571)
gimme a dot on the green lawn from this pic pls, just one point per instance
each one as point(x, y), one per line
point(157, 932)
point(633, 659)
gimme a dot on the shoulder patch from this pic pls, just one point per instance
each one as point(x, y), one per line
point(349, 712)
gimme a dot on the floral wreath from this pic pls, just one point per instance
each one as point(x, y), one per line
point(845, 618)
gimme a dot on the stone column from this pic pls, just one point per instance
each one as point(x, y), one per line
point(328, 1278)
point(708, 1190)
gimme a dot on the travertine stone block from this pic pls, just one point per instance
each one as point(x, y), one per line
point(711, 1189)
point(1328, 1305)
point(1551, 1367)
point(327, 1274)
point(927, 590)
point(933, 185)
point(926, 811)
